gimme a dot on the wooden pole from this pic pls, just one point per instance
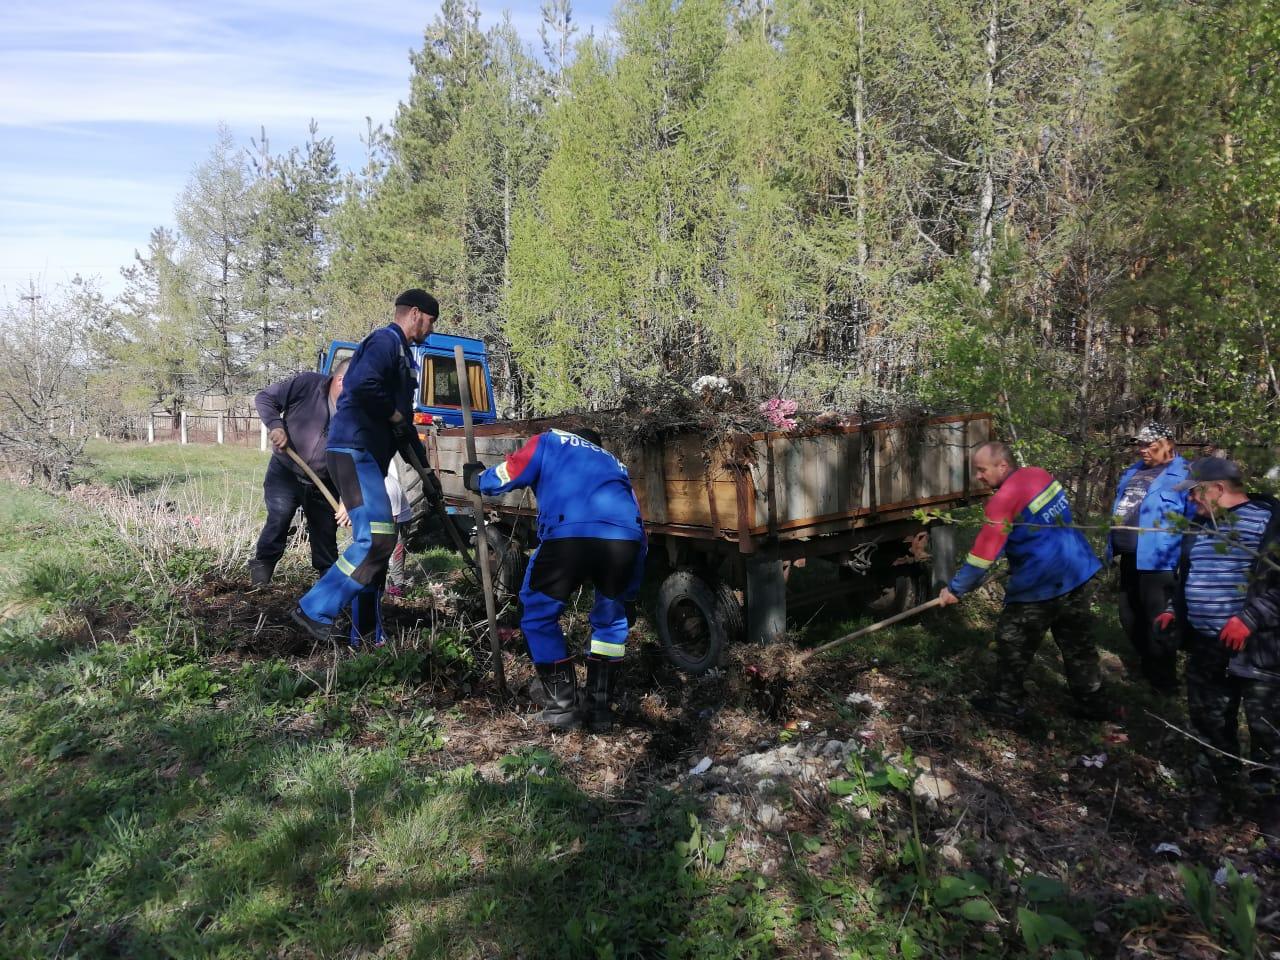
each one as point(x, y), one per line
point(888, 622)
point(311, 475)
point(182, 426)
point(477, 510)
point(221, 426)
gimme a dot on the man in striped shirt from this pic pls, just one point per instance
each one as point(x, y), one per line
point(1227, 606)
point(1051, 569)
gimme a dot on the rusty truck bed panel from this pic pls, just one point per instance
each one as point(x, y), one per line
point(749, 487)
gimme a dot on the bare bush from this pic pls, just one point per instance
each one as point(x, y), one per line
point(42, 376)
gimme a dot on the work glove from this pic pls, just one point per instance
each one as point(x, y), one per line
point(1234, 634)
point(402, 432)
point(471, 475)
point(1164, 622)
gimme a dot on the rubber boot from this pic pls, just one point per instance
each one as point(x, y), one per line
point(560, 682)
point(260, 572)
point(597, 701)
point(1205, 811)
point(1266, 814)
point(1093, 706)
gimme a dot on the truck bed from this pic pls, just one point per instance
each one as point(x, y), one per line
point(746, 489)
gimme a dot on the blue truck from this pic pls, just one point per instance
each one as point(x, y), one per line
point(728, 518)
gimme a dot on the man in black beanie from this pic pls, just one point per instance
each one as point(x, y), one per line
point(374, 418)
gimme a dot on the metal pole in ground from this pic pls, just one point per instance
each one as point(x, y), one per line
point(477, 509)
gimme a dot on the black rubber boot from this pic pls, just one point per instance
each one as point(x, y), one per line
point(1093, 706)
point(998, 708)
point(1205, 811)
point(1266, 814)
point(560, 682)
point(260, 572)
point(319, 632)
point(597, 701)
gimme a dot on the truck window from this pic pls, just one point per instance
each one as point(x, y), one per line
point(440, 384)
point(342, 353)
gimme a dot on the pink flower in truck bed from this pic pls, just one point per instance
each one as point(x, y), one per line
point(779, 412)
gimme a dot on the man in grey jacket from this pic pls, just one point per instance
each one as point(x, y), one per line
point(296, 414)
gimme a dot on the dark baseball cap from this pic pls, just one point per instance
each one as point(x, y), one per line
point(420, 299)
point(1210, 470)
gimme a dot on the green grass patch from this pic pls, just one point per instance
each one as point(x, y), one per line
point(206, 471)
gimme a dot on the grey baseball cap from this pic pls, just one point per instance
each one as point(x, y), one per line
point(1209, 470)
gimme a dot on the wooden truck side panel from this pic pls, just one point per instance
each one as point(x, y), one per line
point(771, 484)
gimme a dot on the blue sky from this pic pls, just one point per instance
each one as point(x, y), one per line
point(105, 108)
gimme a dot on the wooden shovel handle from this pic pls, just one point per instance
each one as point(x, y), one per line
point(888, 622)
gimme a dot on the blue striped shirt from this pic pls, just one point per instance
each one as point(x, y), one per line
point(1222, 561)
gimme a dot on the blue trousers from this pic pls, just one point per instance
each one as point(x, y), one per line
point(559, 567)
point(358, 575)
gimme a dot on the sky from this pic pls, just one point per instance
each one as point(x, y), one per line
point(106, 107)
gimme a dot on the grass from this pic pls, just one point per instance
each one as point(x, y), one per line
point(161, 798)
point(162, 801)
point(226, 474)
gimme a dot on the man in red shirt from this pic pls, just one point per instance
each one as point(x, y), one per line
point(1051, 569)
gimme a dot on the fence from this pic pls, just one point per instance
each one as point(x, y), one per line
point(241, 430)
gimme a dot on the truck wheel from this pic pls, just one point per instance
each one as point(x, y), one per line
point(507, 563)
point(696, 621)
point(418, 535)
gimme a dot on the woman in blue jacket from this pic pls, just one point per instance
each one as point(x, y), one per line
point(1147, 498)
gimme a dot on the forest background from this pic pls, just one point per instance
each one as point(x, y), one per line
point(1066, 213)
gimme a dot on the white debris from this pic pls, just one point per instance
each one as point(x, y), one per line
point(712, 384)
point(770, 817)
point(1171, 849)
point(933, 789)
point(701, 767)
point(864, 702)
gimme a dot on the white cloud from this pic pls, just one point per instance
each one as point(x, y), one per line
point(78, 192)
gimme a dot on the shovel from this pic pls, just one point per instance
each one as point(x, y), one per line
point(887, 622)
point(477, 510)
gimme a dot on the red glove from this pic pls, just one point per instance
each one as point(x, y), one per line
point(1234, 634)
point(1164, 622)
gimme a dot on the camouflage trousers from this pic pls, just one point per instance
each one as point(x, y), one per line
point(1214, 698)
point(1022, 627)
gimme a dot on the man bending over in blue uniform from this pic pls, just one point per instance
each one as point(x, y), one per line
point(374, 417)
point(590, 528)
point(1051, 569)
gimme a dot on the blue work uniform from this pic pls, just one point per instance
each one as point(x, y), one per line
point(381, 379)
point(591, 531)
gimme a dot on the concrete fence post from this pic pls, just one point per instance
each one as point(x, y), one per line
point(262, 440)
point(221, 421)
point(182, 426)
point(151, 428)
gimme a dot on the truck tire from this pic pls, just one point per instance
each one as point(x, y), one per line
point(507, 562)
point(417, 531)
point(696, 621)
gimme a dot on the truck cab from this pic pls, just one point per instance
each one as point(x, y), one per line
point(439, 401)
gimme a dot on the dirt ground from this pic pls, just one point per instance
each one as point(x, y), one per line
point(1039, 794)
